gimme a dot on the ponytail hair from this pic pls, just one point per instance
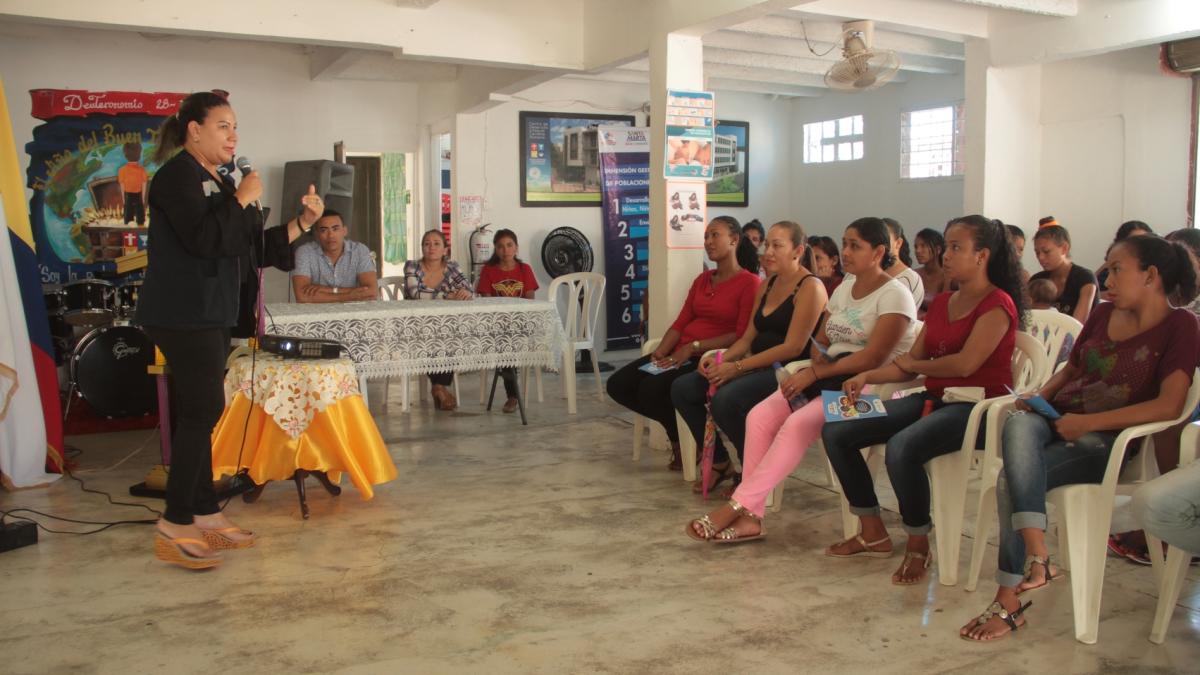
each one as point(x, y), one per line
point(875, 232)
point(1174, 262)
point(745, 253)
point(502, 234)
point(897, 231)
point(1004, 268)
point(172, 134)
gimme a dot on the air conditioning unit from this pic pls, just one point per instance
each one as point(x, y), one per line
point(1183, 56)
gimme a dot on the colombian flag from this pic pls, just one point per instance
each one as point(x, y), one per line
point(31, 436)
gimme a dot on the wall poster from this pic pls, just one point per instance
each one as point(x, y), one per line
point(690, 134)
point(730, 184)
point(686, 214)
point(89, 167)
point(625, 176)
point(560, 157)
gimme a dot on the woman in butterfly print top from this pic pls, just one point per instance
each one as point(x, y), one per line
point(1132, 364)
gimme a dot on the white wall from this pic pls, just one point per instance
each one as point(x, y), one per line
point(827, 197)
point(1115, 136)
point(282, 114)
point(485, 161)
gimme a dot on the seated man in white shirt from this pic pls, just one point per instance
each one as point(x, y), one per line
point(332, 268)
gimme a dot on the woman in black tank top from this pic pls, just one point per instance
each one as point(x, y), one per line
point(786, 312)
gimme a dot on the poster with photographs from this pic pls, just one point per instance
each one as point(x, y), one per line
point(730, 184)
point(560, 157)
point(686, 214)
point(690, 134)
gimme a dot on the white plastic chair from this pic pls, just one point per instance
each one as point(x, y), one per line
point(578, 297)
point(392, 287)
point(1084, 513)
point(1173, 570)
point(1053, 328)
point(658, 435)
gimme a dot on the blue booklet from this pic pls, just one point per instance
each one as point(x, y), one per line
point(651, 368)
point(838, 407)
point(1039, 405)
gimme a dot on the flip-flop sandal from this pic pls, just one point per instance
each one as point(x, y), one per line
point(706, 524)
point(171, 550)
point(909, 556)
point(1032, 560)
point(996, 609)
point(219, 539)
point(866, 551)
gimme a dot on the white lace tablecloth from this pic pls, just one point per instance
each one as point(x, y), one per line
point(291, 391)
point(414, 337)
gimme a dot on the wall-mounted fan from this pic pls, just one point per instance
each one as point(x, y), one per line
point(565, 251)
point(862, 67)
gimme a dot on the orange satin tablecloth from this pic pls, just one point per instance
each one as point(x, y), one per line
point(306, 414)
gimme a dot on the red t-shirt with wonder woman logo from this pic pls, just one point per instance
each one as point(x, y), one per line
point(514, 283)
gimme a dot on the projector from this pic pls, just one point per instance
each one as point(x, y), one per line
point(301, 347)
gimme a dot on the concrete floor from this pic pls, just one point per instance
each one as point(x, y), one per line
point(509, 549)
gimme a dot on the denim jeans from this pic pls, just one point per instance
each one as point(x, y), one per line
point(912, 440)
point(1037, 460)
point(1169, 507)
point(730, 406)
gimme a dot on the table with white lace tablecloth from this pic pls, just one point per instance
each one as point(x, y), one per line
point(417, 337)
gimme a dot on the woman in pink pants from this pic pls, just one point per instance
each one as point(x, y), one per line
point(868, 322)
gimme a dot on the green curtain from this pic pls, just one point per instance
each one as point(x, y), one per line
point(395, 203)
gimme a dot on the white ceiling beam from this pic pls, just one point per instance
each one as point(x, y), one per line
point(765, 44)
point(931, 18)
point(1060, 8)
point(720, 84)
point(329, 63)
point(824, 34)
point(1101, 26)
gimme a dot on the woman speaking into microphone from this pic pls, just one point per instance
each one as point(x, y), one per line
point(206, 237)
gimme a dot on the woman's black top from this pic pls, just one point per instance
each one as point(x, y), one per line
point(770, 330)
point(1077, 278)
point(203, 251)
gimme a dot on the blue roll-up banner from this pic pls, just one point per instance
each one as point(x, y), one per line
point(625, 198)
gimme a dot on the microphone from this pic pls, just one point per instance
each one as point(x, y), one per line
point(244, 165)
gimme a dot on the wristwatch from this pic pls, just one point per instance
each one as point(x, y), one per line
point(696, 346)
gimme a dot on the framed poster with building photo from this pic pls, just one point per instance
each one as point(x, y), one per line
point(730, 184)
point(560, 157)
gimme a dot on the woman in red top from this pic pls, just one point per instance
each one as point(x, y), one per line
point(715, 313)
point(507, 276)
point(967, 341)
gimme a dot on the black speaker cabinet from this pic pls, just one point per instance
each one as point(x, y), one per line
point(334, 181)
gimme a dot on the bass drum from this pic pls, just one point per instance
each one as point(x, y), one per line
point(108, 368)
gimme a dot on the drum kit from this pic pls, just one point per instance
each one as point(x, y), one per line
point(104, 354)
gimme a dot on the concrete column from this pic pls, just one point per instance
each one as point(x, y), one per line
point(676, 62)
point(1004, 141)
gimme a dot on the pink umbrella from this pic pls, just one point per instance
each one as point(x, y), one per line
point(710, 438)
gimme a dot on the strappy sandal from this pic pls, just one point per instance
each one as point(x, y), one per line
point(909, 556)
point(867, 548)
point(996, 609)
point(219, 539)
point(1030, 561)
point(723, 475)
point(706, 524)
point(730, 536)
point(171, 550)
